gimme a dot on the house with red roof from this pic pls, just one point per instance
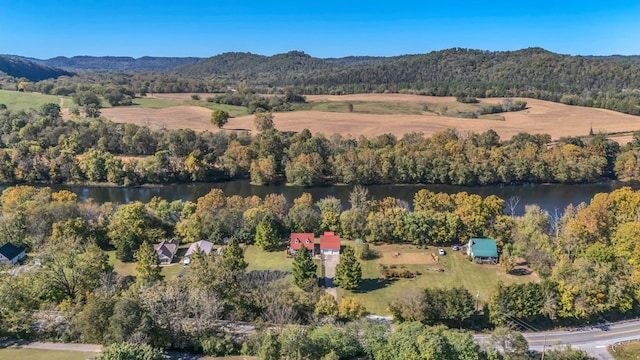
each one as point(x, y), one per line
point(329, 243)
point(298, 240)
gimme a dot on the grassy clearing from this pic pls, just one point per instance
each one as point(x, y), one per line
point(36, 354)
point(266, 260)
point(364, 107)
point(628, 351)
point(24, 101)
point(376, 293)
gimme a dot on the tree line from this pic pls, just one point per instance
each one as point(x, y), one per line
point(38, 146)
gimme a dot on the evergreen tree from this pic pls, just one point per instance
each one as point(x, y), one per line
point(233, 256)
point(267, 237)
point(303, 268)
point(148, 266)
point(348, 271)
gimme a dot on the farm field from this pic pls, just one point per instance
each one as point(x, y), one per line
point(37, 354)
point(376, 114)
point(376, 293)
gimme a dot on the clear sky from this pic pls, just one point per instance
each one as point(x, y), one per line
point(324, 28)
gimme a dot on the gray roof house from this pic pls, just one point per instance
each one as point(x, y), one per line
point(166, 250)
point(10, 253)
point(203, 245)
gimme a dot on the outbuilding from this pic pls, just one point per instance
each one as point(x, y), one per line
point(482, 250)
point(329, 243)
point(11, 254)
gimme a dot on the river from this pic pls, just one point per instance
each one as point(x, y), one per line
point(547, 196)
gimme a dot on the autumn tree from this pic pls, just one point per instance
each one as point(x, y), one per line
point(219, 118)
point(263, 121)
point(130, 226)
point(304, 269)
point(348, 271)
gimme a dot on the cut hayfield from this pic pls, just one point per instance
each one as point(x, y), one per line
point(546, 117)
point(176, 117)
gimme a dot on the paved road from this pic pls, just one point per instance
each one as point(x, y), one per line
point(329, 263)
point(595, 340)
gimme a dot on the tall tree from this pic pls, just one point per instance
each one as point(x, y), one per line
point(267, 236)
point(148, 266)
point(233, 257)
point(304, 269)
point(263, 121)
point(348, 271)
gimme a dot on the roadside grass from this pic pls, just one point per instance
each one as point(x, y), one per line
point(37, 354)
point(628, 351)
point(376, 293)
point(15, 100)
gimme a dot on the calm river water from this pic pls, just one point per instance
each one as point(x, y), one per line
point(549, 197)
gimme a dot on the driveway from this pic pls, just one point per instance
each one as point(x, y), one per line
point(329, 263)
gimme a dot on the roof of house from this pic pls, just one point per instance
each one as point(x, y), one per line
point(329, 241)
point(10, 251)
point(481, 247)
point(204, 246)
point(296, 240)
point(166, 248)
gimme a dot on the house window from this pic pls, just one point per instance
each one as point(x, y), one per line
point(308, 241)
point(297, 241)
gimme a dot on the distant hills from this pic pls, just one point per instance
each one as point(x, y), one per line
point(532, 72)
point(117, 63)
point(22, 68)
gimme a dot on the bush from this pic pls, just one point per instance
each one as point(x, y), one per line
point(218, 345)
point(195, 97)
point(129, 351)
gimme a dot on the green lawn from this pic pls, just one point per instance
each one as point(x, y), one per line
point(23, 101)
point(267, 260)
point(376, 293)
point(168, 271)
point(34, 354)
point(628, 351)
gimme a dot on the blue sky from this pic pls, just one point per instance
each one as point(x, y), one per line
point(325, 28)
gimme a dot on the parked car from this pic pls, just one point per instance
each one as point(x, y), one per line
point(441, 251)
point(455, 248)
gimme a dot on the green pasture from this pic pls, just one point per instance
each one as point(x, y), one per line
point(15, 100)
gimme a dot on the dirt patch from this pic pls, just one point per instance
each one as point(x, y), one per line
point(398, 258)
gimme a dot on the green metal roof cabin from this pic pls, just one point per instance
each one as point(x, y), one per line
point(483, 250)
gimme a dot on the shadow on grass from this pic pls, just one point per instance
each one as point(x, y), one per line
point(368, 285)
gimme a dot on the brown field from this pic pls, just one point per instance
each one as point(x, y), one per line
point(555, 119)
point(176, 117)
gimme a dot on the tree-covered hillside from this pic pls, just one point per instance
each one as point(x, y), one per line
point(118, 63)
point(21, 68)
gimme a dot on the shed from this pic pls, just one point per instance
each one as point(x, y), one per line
point(10, 253)
point(329, 243)
point(483, 250)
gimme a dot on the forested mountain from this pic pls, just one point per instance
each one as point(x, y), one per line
point(22, 68)
point(258, 68)
point(630, 59)
point(117, 63)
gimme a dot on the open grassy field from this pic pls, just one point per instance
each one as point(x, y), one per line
point(376, 293)
point(36, 354)
point(15, 100)
point(628, 351)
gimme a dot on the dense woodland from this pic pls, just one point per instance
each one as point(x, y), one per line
point(604, 82)
point(38, 146)
point(584, 256)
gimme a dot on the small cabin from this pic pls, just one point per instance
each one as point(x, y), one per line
point(482, 250)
